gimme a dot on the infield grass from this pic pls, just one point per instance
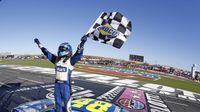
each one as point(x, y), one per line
point(38, 63)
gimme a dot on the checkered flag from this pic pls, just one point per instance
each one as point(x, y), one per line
point(111, 28)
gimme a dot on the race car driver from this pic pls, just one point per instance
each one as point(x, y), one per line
point(64, 64)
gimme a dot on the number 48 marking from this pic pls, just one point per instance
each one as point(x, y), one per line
point(92, 106)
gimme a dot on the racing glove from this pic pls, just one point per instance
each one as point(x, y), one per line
point(81, 45)
point(83, 40)
point(38, 43)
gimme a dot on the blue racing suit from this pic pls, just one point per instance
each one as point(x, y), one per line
point(63, 70)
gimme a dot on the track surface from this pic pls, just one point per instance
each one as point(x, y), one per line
point(17, 87)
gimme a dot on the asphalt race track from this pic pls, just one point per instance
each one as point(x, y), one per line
point(17, 87)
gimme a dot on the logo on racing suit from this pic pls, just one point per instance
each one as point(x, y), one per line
point(61, 69)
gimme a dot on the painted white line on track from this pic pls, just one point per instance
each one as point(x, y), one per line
point(144, 88)
point(81, 93)
point(151, 86)
point(167, 89)
point(176, 103)
point(31, 80)
point(188, 93)
point(5, 84)
point(126, 81)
